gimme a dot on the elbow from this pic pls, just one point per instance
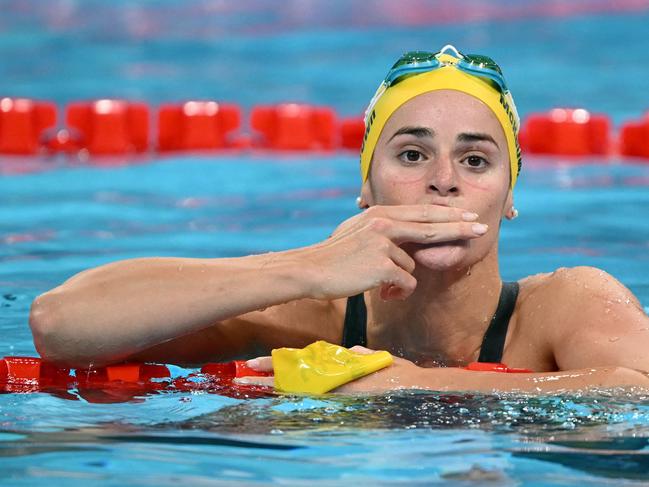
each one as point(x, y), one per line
point(46, 323)
point(60, 336)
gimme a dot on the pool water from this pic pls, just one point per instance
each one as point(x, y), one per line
point(58, 217)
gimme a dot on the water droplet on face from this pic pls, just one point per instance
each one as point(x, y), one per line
point(613, 339)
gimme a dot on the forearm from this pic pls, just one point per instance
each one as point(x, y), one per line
point(113, 311)
point(454, 379)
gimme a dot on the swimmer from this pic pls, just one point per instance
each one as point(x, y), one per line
point(414, 273)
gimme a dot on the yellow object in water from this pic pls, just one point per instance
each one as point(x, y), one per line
point(321, 367)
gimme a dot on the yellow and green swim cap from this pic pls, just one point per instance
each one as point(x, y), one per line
point(419, 72)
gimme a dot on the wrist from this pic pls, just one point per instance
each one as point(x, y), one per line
point(307, 273)
point(286, 270)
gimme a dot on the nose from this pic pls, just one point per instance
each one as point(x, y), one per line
point(442, 177)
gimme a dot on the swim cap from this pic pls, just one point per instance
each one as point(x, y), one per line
point(448, 76)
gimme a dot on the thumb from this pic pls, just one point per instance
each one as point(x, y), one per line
point(362, 350)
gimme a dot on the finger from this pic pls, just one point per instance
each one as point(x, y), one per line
point(261, 364)
point(255, 381)
point(348, 226)
point(401, 258)
point(362, 350)
point(399, 286)
point(422, 213)
point(393, 293)
point(401, 232)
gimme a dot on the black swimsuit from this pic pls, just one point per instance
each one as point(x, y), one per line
point(493, 342)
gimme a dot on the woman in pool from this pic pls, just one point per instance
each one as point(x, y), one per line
point(439, 163)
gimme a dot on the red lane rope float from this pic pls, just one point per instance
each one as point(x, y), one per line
point(123, 382)
point(198, 125)
point(634, 138)
point(110, 126)
point(293, 126)
point(131, 381)
point(120, 127)
point(495, 367)
point(352, 131)
point(217, 378)
point(22, 121)
point(31, 374)
point(568, 132)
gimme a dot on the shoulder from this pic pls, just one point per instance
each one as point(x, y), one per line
point(569, 300)
point(576, 284)
point(590, 319)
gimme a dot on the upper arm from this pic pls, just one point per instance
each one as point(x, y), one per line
point(599, 322)
point(293, 324)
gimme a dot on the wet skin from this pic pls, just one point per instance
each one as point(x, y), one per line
point(444, 148)
point(424, 252)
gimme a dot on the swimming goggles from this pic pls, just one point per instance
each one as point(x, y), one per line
point(416, 62)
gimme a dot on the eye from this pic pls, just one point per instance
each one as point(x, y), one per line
point(476, 162)
point(411, 156)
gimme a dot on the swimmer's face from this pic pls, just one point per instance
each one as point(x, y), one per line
point(446, 148)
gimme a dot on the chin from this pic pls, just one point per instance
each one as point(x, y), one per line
point(441, 257)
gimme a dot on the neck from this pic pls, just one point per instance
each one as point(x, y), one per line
point(444, 320)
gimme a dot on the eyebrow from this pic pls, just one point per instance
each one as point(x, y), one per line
point(476, 137)
point(419, 132)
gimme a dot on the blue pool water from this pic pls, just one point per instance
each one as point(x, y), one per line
point(58, 217)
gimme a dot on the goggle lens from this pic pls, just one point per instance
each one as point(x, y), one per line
point(484, 62)
point(415, 62)
point(414, 57)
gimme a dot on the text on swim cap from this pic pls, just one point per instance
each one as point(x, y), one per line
point(368, 126)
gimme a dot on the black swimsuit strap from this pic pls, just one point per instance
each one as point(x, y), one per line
point(355, 330)
point(493, 343)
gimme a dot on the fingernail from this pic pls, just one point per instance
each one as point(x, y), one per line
point(479, 228)
point(468, 216)
point(253, 363)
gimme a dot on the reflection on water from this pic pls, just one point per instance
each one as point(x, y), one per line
point(603, 434)
point(576, 431)
point(526, 415)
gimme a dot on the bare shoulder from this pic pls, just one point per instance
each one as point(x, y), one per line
point(577, 283)
point(569, 298)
